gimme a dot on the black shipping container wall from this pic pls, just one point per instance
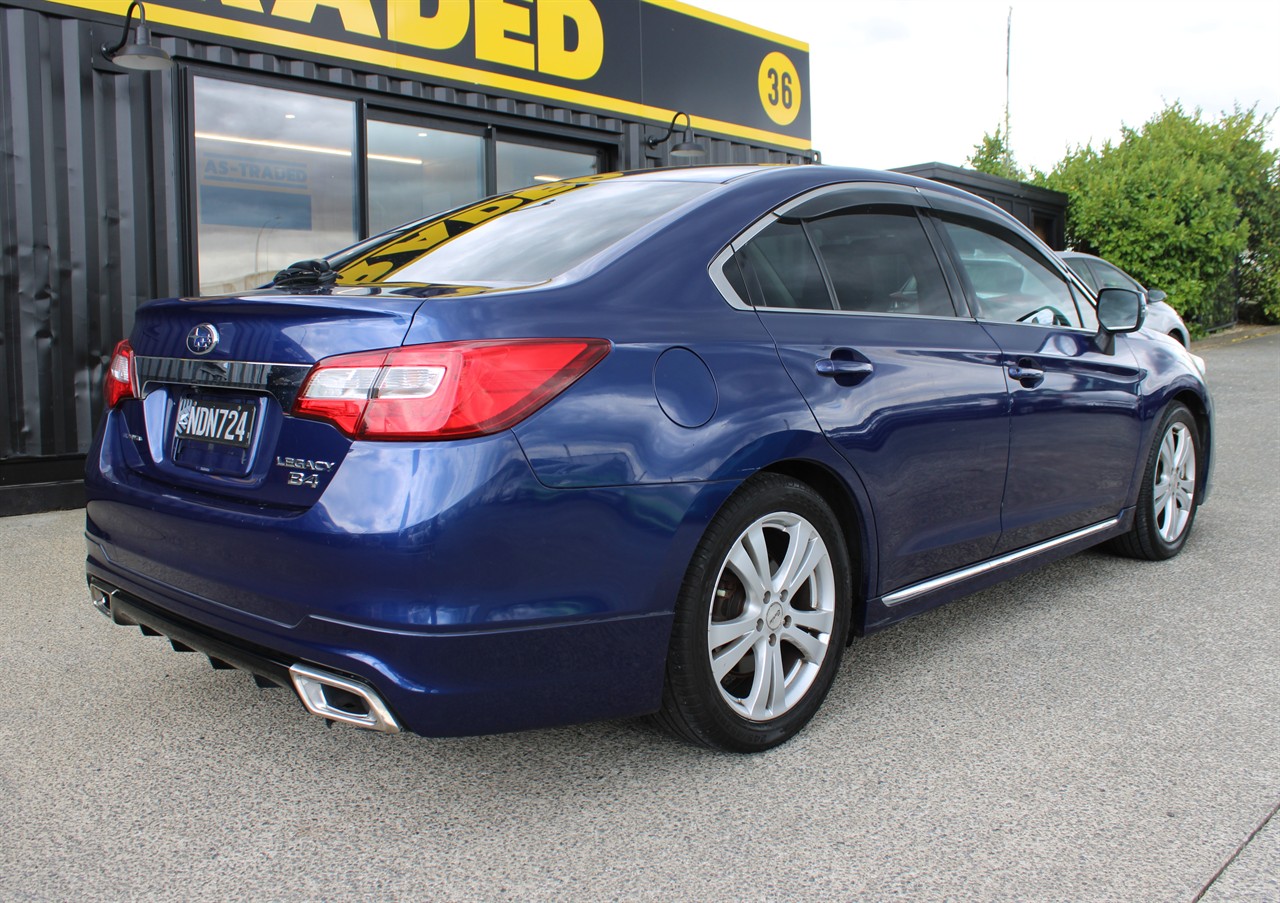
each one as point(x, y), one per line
point(93, 211)
point(85, 204)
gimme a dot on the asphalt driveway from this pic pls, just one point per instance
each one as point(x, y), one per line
point(1103, 729)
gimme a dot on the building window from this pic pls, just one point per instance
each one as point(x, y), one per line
point(275, 181)
point(417, 170)
point(527, 164)
point(276, 175)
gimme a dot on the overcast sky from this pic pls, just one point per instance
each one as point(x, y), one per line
point(897, 82)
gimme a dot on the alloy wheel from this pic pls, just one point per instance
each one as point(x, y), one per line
point(772, 616)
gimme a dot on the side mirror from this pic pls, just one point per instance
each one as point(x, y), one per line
point(1155, 295)
point(1119, 310)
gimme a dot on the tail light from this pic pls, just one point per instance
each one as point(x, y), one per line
point(118, 383)
point(449, 390)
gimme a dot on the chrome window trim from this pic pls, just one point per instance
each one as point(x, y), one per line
point(716, 272)
point(715, 269)
point(753, 230)
point(863, 313)
point(1089, 295)
point(907, 593)
point(1082, 330)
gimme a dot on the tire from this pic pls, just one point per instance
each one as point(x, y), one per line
point(738, 609)
point(1169, 496)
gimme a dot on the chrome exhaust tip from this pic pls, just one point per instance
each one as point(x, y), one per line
point(340, 699)
point(100, 596)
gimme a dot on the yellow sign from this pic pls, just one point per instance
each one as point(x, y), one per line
point(641, 59)
point(779, 86)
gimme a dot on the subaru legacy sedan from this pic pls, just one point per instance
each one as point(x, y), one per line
point(658, 443)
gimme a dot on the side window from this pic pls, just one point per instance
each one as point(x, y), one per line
point(880, 261)
point(780, 270)
point(1088, 316)
point(1111, 277)
point(1008, 280)
point(1081, 268)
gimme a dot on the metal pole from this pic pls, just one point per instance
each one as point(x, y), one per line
point(1008, 48)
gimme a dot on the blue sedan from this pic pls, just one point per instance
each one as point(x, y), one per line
point(661, 442)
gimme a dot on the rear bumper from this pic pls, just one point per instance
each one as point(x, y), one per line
point(334, 696)
point(435, 686)
point(125, 608)
point(466, 615)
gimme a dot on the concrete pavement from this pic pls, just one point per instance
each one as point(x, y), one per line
point(1102, 729)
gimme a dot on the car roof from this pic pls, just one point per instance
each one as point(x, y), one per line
point(773, 183)
point(797, 178)
point(815, 173)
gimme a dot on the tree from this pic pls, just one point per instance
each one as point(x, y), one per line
point(1183, 204)
point(1255, 181)
point(994, 157)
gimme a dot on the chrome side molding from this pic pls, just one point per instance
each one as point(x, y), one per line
point(907, 593)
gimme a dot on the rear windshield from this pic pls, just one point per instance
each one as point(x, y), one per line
point(527, 236)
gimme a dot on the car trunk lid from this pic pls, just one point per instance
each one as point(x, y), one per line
point(218, 377)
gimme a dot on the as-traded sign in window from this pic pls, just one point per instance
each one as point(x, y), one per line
point(641, 59)
point(275, 177)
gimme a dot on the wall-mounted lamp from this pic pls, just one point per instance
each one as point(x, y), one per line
point(141, 55)
point(687, 148)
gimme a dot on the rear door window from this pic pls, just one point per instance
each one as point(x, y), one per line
point(781, 270)
point(880, 261)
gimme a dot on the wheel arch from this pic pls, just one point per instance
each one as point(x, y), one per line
point(853, 522)
point(1204, 426)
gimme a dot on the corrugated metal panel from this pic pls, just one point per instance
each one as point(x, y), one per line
point(83, 213)
point(91, 200)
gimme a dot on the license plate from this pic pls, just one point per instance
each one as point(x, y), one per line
point(222, 422)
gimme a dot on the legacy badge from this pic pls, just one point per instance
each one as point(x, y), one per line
point(304, 471)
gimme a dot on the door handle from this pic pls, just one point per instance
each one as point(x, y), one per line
point(831, 367)
point(1025, 374)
